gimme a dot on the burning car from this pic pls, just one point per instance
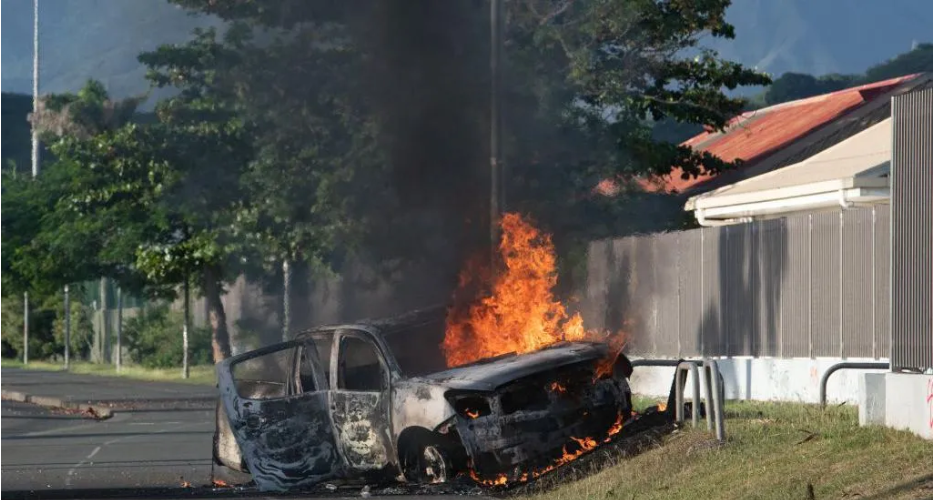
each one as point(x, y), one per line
point(377, 398)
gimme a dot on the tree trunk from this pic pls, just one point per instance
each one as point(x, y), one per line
point(220, 336)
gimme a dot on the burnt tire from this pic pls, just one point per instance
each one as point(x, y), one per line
point(427, 461)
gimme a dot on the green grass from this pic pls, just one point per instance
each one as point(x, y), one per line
point(201, 374)
point(773, 451)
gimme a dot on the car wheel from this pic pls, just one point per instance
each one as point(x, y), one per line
point(427, 463)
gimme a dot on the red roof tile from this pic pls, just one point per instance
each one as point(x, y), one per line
point(754, 135)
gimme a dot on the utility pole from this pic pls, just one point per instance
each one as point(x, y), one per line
point(35, 85)
point(286, 299)
point(67, 328)
point(104, 323)
point(495, 174)
point(119, 328)
point(185, 370)
point(25, 328)
point(35, 151)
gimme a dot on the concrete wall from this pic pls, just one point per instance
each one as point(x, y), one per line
point(908, 403)
point(765, 379)
point(898, 400)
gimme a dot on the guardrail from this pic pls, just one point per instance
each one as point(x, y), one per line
point(847, 365)
point(714, 394)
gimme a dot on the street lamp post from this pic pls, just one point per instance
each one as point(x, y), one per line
point(67, 328)
point(35, 85)
point(35, 150)
point(495, 165)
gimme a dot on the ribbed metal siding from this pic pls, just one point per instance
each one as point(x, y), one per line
point(642, 293)
point(882, 281)
point(748, 289)
point(690, 289)
point(595, 296)
point(857, 269)
point(912, 231)
point(711, 341)
point(771, 263)
point(666, 247)
point(795, 289)
point(622, 287)
point(738, 245)
point(728, 286)
point(824, 284)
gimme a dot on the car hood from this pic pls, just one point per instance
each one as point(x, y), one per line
point(488, 375)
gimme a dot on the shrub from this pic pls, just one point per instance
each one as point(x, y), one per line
point(154, 339)
point(46, 327)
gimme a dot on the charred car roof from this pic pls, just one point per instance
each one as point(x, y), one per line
point(489, 374)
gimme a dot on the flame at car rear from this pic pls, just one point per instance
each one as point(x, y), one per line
point(518, 314)
point(521, 313)
point(579, 447)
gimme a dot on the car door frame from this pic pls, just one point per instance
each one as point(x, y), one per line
point(390, 374)
point(314, 447)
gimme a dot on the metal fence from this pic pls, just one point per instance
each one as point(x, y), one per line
point(811, 285)
point(912, 239)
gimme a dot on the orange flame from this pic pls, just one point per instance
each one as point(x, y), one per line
point(605, 366)
point(220, 483)
point(558, 388)
point(500, 480)
point(584, 445)
point(662, 406)
point(472, 413)
point(615, 429)
point(521, 314)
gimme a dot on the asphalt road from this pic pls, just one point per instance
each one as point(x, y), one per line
point(111, 391)
point(44, 449)
point(158, 439)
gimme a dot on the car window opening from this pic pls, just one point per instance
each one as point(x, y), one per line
point(359, 366)
point(264, 377)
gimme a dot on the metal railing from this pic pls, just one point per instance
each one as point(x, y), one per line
point(714, 394)
point(824, 380)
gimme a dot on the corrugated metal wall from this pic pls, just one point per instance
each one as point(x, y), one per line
point(812, 285)
point(912, 231)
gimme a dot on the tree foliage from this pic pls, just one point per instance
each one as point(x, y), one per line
point(918, 60)
point(311, 130)
point(792, 86)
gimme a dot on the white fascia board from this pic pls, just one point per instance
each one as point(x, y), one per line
point(816, 188)
point(844, 197)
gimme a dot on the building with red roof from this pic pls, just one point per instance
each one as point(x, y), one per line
point(787, 133)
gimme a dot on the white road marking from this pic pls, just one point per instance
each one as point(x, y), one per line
point(71, 472)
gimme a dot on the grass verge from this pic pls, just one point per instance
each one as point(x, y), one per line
point(200, 375)
point(773, 451)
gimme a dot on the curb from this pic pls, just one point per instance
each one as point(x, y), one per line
point(98, 412)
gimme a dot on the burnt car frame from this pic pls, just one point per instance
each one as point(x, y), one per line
point(375, 398)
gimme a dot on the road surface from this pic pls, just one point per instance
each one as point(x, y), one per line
point(158, 439)
point(43, 449)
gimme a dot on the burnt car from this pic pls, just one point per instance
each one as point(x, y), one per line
point(376, 398)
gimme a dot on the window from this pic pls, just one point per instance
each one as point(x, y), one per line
point(359, 368)
point(323, 342)
point(266, 376)
point(306, 371)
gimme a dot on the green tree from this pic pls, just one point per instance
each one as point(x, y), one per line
point(792, 86)
point(918, 60)
point(583, 82)
point(310, 130)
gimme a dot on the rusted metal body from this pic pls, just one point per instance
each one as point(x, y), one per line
point(335, 402)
